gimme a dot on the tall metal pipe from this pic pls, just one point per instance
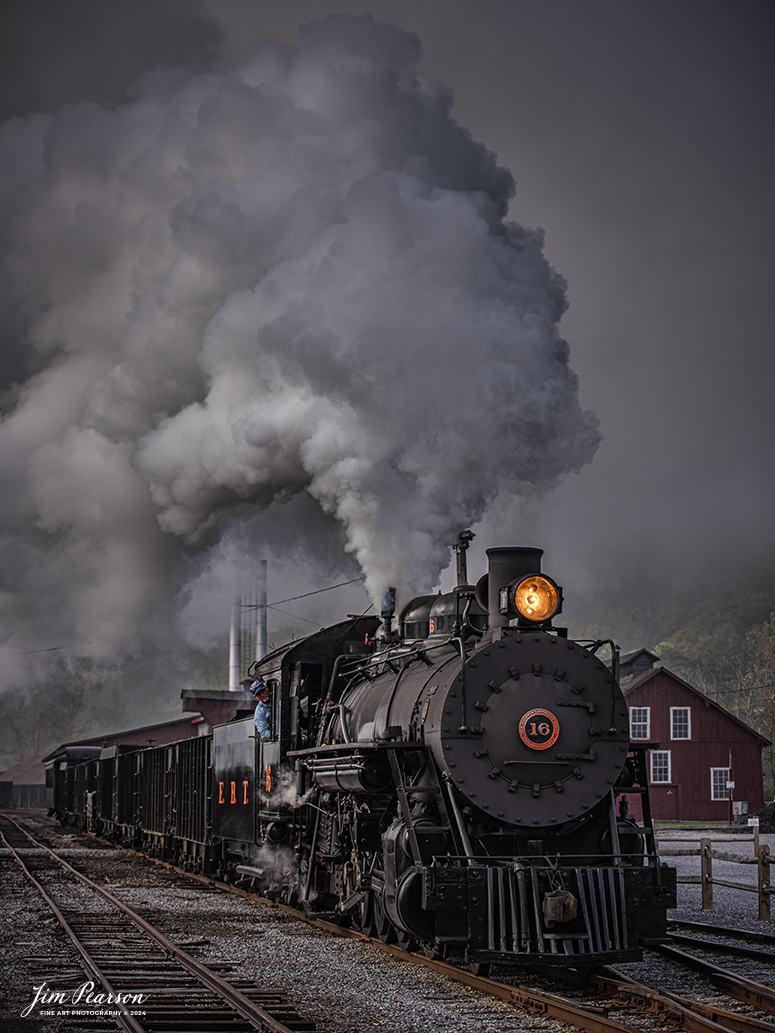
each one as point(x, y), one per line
point(234, 643)
point(261, 577)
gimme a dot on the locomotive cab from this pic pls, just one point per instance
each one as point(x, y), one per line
point(259, 806)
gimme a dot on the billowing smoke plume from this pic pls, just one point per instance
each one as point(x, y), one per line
point(237, 288)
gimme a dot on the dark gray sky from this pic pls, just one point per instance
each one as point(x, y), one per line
point(639, 136)
point(640, 139)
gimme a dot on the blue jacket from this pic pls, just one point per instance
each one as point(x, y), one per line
point(262, 718)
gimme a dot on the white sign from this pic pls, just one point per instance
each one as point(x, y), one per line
point(730, 785)
point(753, 821)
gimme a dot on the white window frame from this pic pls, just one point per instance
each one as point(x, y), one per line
point(673, 712)
point(641, 738)
point(724, 789)
point(653, 754)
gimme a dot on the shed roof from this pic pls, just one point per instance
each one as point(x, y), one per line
point(28, 772)
point(183, 724)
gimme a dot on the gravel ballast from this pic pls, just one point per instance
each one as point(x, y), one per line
point(344, 985)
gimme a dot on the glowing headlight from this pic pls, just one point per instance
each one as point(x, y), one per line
point(537, 598)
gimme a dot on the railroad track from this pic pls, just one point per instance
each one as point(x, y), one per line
point(611, 1002)
point(715, 940)
point(759, 996)
point(622, 994)
point(135, 978)
point(639, 1001)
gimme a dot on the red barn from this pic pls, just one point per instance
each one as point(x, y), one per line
point(699, 753)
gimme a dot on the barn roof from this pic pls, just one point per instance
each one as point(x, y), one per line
point(643, 679)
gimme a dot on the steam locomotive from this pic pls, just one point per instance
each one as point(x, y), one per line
point(460, 782)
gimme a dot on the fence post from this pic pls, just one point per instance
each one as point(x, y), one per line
point(706, 871)
point(764, 883)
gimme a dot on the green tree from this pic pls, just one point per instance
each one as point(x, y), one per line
point(759, 692)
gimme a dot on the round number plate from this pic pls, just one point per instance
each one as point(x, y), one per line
point(539, 729)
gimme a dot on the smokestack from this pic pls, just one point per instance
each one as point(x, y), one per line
point(261, 577)
point(387, 611)
point(506, 565)
point(388, 603)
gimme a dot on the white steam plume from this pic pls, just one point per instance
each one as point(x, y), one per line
point(292, 277)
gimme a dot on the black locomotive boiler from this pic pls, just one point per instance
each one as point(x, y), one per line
point(460, 781)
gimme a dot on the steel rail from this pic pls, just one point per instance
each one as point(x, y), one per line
point(538, 1002)
point(756, 994)
point(245, 1008)
point(716, 947)
point(124, 1019)
point(723, 930)
point(694, 1015)
point(732, 1020)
